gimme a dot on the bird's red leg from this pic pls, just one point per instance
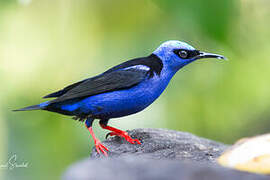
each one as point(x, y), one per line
point(99, 146)
point(118, 132)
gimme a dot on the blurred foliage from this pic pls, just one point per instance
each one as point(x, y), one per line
point(48, 44)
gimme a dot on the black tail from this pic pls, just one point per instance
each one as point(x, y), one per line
point(29, 108)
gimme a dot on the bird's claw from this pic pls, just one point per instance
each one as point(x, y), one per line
point(132, 141)
point(100, 147)
point(111, 134)
point(124, 135)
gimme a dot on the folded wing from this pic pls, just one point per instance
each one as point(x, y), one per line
point(106, 82)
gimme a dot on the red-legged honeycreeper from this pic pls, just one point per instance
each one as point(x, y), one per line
point(125, 89)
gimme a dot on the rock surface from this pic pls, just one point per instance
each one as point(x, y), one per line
point(164, 144)
point(164, 154)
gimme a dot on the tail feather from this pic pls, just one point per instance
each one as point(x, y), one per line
point(29, 108)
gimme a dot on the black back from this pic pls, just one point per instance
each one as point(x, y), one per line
point(153, 62)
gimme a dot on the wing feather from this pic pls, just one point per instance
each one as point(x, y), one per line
point(63, 91)
point(106, 82)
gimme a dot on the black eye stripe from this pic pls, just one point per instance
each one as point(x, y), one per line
point(191, 54)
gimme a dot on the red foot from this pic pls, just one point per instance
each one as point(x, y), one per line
point(117, 132)
point(101, 147)
point(126, 136)
point(98, 145)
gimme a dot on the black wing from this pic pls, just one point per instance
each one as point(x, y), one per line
point(153, 62)
point(65, 90)
point(106, 82)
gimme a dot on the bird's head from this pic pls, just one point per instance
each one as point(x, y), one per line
point(176, 54)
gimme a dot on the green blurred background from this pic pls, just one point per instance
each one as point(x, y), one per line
point(48, 44)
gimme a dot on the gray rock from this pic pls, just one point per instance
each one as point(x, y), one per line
point(164, 144)
point(163, 155)
point(134, 168)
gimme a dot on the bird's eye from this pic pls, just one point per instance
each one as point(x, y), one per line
point(183, 54)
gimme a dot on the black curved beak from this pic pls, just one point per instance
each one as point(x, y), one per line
point(210, 55)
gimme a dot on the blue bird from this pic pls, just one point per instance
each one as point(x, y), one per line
point(125, 89)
